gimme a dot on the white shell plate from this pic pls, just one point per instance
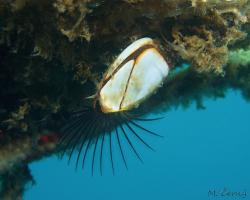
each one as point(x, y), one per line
point(135, 80)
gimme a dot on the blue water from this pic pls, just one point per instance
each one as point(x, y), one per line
point(202, 151)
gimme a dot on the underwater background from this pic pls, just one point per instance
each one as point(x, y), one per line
point(202, 151)
point(55, 53)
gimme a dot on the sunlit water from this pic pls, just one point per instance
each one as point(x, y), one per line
point(202, 151)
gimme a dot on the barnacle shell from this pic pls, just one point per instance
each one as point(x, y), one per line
point(136, 73)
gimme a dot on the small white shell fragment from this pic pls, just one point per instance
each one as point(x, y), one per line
point(136, 73)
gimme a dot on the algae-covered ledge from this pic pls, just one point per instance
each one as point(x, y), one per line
point(53, 51)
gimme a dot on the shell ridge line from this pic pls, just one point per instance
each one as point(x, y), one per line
point(130, 50)
point(137, 59)
point(126, 88)
point(130, 57)
point(136, 54)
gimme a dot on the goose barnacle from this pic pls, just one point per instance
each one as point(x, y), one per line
point(134, 75)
